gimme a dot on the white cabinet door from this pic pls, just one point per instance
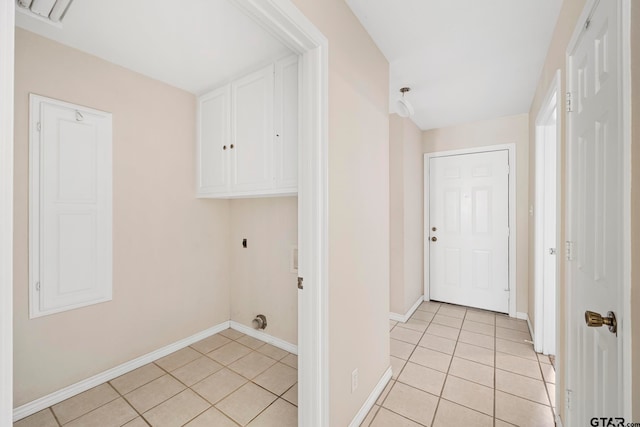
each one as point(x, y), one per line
point(252, 132)
point(213, 142)
point(286, 124)
point(469, 240)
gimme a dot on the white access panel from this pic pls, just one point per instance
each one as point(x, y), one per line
point(469, 229)
point(70, 206)
point(286, 123)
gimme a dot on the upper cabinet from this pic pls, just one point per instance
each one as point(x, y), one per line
point(248, 135)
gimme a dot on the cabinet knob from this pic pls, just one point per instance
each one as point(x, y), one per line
point(231, 146)
point(224, 147)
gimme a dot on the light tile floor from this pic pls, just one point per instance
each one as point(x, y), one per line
point(226, 380)
point(457, 366)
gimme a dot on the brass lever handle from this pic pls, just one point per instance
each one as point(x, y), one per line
point(596, 320)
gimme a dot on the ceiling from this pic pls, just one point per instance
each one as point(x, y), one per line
point(194, 45)
point(465, 60)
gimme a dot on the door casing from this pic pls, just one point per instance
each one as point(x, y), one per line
point(511, 148)
point(624, 328)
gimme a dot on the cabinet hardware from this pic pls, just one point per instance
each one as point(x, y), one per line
point(224, 147)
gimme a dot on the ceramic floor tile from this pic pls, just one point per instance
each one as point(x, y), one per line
point(291, 395)
point(280, 414)
point(252, 365)
point(406, 335)
point(415, 325)
point(443, 331)
point(481, 317)
point(471, 395)
point(516, 349)
point(277, 379)
point(429, 306)
point(510, 323)
point(386, 418)
point(196, 371)
point(245, 403)
point(521, 386)
point(385, 392)
point(250, 342)
point(137, 422)
point(369, 418)
point(401, 349)
point(472, 371)
point(548, 373)
point(392, 324)
point(522, 412)
point(425, 379)
point(450, 414)
point(543, 359)
point(219, 385)
point(518, 365)
point(551, 388)
point(290, 360)
point(431, 359)
point(453, 311)
point(153, 393)
point(211, 418)
point(513, 335)
point(137, 378)
point(211, 343)
point(411, 403)
point(479, 328)
point(437, 343)
point(84, 403)
point(425, 316)
point(272, 351)
point(113, 414)
point(177, 411)
point(396, 366)
point(232, 334)
point(500, 423)
point(177, 359)
point(480, 340)
point(229, 353)
point(453, 322)
point(475, 353)
point(43, 418)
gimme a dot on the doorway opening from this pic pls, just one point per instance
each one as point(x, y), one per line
point(546, 215)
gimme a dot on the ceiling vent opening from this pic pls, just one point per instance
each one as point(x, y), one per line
point(52, 11)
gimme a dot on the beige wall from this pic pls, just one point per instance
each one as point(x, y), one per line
point(170, 277)
point(406, 196)
point(358, 206)
point(569, 13)
point(635, 205)
point(505, 130)
point(261, 280)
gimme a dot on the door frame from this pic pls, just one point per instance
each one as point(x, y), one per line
point(541, 321)
point(7, 26)
point(624, 123)
point(511, 148)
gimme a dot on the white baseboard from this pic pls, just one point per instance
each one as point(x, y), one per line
point(371, 400)
point(84, 385)
point(525, 316)
point(404, 317)
point(269, 339)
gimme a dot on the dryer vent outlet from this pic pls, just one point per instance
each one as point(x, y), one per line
point(260, 322)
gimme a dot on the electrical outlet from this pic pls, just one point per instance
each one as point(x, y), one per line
point(354, 380)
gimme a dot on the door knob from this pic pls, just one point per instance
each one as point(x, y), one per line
point(434, 239)
point(596, 320)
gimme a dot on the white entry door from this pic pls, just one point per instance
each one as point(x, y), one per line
point(469, 230)
point(595, 218)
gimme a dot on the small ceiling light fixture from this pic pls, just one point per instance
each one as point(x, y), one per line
point(403, 106)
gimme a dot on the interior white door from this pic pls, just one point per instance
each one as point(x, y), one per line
point(549, 236)
point(595, 218)
point(469, 230)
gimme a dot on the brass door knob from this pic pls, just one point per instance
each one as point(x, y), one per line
point(595, 320)
point(434, 239)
